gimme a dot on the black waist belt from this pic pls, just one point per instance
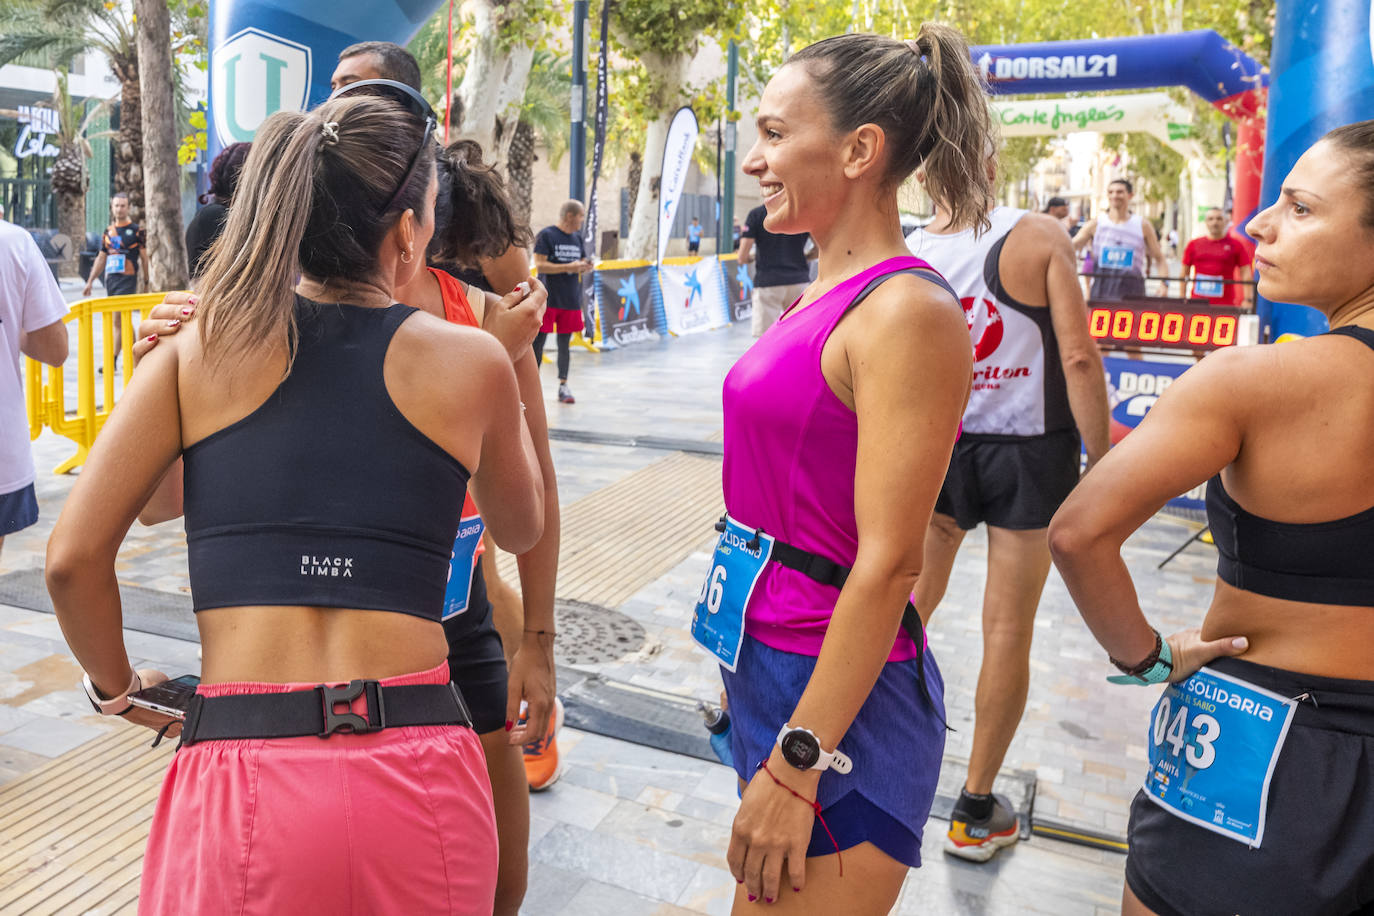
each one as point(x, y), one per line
point(827, 572)
point(322, 711)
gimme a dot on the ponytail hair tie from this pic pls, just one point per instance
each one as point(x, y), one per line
point(330, 130)
point(915, 45)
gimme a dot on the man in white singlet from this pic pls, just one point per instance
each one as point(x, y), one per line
point(1125, 247)
point(1038, 391)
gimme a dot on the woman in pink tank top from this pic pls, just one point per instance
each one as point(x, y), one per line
point(838, 428)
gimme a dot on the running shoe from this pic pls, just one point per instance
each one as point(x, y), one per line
point(977, 839)
point(541, 756)
point(565, 395)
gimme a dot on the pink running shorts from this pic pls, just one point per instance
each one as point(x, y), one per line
point(392, 822)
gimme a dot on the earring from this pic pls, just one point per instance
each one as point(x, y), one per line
point(407, 257)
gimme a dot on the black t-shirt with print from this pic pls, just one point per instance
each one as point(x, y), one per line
point(123, 247)
point(565, 290)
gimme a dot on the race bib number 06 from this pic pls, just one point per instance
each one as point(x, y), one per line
point(1214, 740)
point(718, 619)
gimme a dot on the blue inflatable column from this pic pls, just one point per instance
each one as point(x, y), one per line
point(272, 56)
point(1321, 76)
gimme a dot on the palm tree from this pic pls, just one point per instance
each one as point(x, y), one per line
point(69, 175)
point(544, 116)
point(62, 29)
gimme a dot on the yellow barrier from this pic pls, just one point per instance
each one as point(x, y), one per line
point(47, 401)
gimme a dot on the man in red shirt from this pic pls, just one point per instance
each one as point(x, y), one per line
point(1207, 261)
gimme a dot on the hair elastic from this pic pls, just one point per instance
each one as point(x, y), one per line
point(330, 130)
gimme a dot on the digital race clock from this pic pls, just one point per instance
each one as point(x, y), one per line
point(1169, 324)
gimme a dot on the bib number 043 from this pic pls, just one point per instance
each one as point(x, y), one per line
point(1213, 743)
point(1200, 752)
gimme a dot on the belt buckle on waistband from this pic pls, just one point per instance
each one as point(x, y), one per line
point(351, 722)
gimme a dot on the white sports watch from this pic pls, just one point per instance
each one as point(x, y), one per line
point(801, 749)
point(114, 706)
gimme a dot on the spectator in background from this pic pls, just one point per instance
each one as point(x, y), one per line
point(781, 275)
point(735, 232)
point(1058, 208)
point(208, 222)
point(694, 237)
point(368, 60)
point(31, 313)
point(121, 251)
point(1210, 260)
point(560, 256)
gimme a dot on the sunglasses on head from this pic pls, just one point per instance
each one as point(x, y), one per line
point(412, 102)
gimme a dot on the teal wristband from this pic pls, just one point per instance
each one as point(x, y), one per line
point(1161, 666)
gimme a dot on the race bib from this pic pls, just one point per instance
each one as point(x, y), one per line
point(114, 263)
point(718, 619)
point(1117, 257)
point(461, 566)
point(1208, 287)
point(1214, 740)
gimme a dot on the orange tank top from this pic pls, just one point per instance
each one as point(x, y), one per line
point(457, 310)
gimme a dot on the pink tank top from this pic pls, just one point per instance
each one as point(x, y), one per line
point(790, 453)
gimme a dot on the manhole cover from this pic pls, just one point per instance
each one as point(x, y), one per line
point(589, 634)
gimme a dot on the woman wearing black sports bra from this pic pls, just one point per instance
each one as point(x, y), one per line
point(326, 459)
point(1260, 792)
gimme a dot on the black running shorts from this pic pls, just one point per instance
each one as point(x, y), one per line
point(1009, 482)
point(476, 660)
point(1317, 856)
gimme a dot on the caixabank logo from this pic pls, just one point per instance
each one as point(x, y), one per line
point(256, 74)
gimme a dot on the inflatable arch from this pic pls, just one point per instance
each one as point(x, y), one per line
point(1202, 61)
point(1323, 77)
point(269, 55)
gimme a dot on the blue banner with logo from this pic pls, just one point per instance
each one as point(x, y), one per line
point(739, 288)
point(270, 57)
point(1133, 386)
point(625, 301)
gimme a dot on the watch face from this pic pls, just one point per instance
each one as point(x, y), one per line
point(800, 749)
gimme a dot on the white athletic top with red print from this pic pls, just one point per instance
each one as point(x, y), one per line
point(1018, 382)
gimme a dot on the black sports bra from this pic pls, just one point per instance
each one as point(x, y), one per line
point(325, 496)
point(1323, 562)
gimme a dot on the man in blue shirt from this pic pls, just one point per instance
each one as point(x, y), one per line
point(694, 237)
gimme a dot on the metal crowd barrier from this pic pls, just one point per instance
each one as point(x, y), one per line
point(46, 392)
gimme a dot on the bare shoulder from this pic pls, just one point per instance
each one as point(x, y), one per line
point(914, 311)
point(1042, 231)
point(443, 347)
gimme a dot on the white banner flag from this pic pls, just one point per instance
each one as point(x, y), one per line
point(677, 156)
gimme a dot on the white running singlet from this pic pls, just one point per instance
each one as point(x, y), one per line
point(1018, 382)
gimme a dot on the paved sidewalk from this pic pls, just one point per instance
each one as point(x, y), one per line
point(633, 830)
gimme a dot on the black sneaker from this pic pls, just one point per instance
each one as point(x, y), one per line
point(977, 840)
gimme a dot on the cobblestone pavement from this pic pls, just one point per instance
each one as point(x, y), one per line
point(634, 830)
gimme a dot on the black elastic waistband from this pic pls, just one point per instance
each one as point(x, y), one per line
point(1338, 704)
point(317, 711)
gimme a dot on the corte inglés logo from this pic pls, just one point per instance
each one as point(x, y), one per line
point(253, 75)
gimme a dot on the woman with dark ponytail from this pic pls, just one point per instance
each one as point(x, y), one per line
point(474, 225)
point(327, 764)
point(839, 423)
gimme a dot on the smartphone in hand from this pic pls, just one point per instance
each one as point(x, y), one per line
point(171, 698)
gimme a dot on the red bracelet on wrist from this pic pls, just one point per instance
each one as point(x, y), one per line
point(815, 806)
